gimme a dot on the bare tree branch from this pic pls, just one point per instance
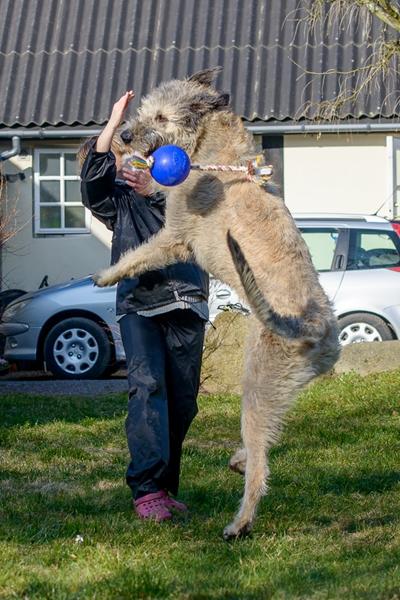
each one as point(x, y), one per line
point(381, 67)
point(385, 10)
point(8, 211)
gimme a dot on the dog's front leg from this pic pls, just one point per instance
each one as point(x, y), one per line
point(161, 250)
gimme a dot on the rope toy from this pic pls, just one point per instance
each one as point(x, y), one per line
point(170, 165)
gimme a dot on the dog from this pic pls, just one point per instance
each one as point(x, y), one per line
point(246, 237)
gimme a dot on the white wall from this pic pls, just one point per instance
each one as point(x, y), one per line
point(348, 173)
point(27, 258)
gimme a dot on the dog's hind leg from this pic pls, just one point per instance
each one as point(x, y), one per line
point(254, 460)
point(161, 250)
point(238, 461)
point(274, 374)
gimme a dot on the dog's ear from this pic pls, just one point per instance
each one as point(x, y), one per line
point(203, 103)
point(223, 100)
point(205, 77)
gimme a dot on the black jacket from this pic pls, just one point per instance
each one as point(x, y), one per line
point(133, 219)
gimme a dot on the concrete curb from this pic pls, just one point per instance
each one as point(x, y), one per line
point(223, 362)
point(374, 357)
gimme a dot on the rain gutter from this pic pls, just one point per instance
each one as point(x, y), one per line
point(46, 134)
point(323, 128)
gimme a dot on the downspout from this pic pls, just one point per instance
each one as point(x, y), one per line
point(16, 149)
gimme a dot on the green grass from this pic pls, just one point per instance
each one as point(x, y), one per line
point(329, 527)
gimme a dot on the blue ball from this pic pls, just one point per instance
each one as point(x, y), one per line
point(171, 165)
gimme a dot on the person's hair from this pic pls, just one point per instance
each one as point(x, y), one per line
point(84, 150)
point(85, 147)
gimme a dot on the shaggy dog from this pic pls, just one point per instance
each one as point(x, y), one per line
point(247, 238)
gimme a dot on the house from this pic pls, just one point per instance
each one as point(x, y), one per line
point(63, 64)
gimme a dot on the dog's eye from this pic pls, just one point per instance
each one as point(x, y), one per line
point(161, 118)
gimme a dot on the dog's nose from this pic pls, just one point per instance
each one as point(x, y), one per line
point(126, 136)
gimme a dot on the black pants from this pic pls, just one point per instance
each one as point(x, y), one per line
point(163, 355)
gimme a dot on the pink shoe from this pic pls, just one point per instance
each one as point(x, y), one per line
point(174, 504)
point(152, 506)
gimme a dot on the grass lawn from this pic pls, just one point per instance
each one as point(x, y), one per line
point(329, 528)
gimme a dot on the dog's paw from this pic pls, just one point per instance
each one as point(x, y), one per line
point(234, 531)
point(104, 278)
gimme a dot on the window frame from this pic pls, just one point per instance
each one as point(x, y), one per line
point(37, 178)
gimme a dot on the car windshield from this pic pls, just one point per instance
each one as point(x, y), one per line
point(373, 250)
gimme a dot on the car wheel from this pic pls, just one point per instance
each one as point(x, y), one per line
point(363, 327)
point(77, 348)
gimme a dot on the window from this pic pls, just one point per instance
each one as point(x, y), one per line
point(57, 196)
point(322, 245)
point(373, 250)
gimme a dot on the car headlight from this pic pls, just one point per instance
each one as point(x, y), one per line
point(13, 310)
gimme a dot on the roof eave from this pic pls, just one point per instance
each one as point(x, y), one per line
point(255, 127)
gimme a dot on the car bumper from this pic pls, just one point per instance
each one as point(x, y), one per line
point(20, 344)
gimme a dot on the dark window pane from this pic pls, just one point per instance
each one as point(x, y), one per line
point(72, 191)
point(50, 217)
point(373, 250)
point(49, 191)
point(71, 166)
point(75, 216)
point(273, 154)
point(49, 164)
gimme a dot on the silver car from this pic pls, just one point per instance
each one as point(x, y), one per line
point(72, 330)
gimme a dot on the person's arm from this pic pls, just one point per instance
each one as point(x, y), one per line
point(140, 181)
point(98, 186)
point(99, 170)
point(105, 138)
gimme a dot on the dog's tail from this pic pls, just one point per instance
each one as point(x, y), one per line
point(289, 327)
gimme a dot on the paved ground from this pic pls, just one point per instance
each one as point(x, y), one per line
point(361, 358)
point(44, 384)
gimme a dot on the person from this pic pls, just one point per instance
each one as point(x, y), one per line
point(162, 316)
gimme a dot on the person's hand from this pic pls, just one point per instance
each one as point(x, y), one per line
point(119, 108)
point(140, 181)
point(103, 143)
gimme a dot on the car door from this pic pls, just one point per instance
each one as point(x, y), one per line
point(372, 278)
point(328, 248)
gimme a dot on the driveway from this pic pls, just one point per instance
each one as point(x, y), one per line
point(40, 383)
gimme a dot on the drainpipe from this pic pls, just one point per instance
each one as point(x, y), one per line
point(16, 149)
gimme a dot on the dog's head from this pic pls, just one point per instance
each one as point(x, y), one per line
point(173, 114)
